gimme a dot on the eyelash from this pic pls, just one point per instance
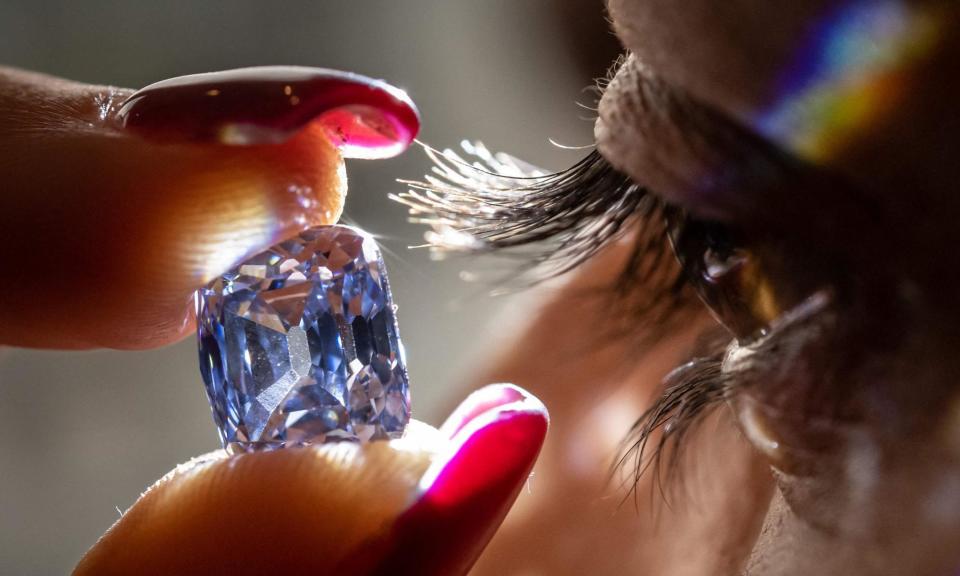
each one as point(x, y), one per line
point(506, 204)
point(689, 392)
point(556, 222)
point(552, 223)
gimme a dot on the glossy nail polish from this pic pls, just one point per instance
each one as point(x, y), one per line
point(365, 118)
point(465, 495)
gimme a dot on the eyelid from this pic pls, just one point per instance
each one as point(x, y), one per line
point(705, 162)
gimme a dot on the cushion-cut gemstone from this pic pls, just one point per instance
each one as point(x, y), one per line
point(299, 344)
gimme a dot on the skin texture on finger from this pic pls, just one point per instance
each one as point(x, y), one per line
point(319, 510)
point(576, 520)
point(108, 234)
point(424, 504)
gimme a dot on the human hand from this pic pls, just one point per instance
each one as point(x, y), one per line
point(424, 504)
point(136, 220)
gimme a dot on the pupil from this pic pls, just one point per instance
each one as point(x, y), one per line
point(720, 270)
point(721, 255)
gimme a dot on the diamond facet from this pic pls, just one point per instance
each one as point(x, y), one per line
point(299, 344)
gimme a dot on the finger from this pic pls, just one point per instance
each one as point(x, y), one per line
point(114, 209)
point(426, 504)
point(497, 434)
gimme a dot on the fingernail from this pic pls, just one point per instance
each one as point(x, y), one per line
point(365, 118)
point(497, 434)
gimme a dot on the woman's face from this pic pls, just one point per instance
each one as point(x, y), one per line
point(819, 138)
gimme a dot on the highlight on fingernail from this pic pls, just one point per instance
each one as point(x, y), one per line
point(486, 399)
point(363, 117)
point(498, 406)
point(464, 495)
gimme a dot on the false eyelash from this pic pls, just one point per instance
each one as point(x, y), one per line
point(689, 392)
point(499, 203)
point(556, 222)
point(552, 223)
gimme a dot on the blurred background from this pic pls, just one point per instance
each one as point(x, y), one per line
point(82, 434)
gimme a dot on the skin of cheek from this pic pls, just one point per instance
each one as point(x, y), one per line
point(575, 518)
point(855, 471)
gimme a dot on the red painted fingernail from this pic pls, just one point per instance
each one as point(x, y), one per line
point(365, 118)
point(497, 435)
point(478, 402)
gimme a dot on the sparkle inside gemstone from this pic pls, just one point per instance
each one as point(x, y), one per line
point(299, 344)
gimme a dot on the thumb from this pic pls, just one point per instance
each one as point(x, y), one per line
point(425, 504)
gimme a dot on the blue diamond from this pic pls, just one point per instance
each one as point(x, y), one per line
point(299, 344)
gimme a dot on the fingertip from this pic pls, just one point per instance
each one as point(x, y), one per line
point(495, 437)
point(294, 510)
point(425, 504)
point(107, 233)
point(111, 234)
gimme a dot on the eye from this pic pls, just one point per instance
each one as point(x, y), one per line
point(746, 281)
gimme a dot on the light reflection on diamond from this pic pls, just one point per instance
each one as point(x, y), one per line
point(299, 344)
